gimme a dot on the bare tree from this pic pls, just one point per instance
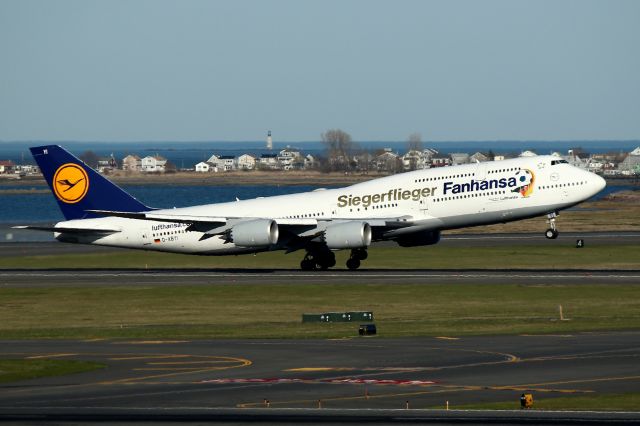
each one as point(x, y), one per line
point(90, 158)
point(339, 146)
point(414, 143)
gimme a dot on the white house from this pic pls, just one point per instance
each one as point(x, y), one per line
point(269, 161)
point(459, 158)
point(205, 167)
point(246, 162)
point(154, 163)
point(132, 163)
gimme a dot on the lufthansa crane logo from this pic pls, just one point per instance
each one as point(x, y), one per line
point(70, 183)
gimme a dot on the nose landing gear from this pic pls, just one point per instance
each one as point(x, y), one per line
point(552, 232)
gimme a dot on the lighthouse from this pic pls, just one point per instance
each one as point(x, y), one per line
point(269, 141)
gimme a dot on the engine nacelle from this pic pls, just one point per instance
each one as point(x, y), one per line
point(255, 233)
point(348, 235)
point(421, 238)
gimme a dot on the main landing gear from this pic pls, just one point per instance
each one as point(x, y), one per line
point(325, 259)
point(357, 255)
point(552, 232)
point(318, 260)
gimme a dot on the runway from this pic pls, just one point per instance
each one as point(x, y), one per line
point(360, 373)
point(173, 277)
point(357, 380)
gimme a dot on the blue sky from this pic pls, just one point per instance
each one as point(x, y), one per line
point(381, 70)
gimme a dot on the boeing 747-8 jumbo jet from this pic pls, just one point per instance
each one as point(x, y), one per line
point(409, 208)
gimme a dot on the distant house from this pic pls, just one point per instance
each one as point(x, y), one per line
point(387, 161)
point(309, 162)
point(7, 166)
point(631, 163)
point(107, 164)
point(205, 167)
point(575, 160)
point(288, 157)
point(246, 162)
point(222, 162)
point(132, 163)
point(154, 163)
point(459, 158)
point(440, 162)
point(527, 153)
point(478, 157)
point(413, 160)
point(269, 161)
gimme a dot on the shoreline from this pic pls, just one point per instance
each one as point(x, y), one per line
point(279, 178)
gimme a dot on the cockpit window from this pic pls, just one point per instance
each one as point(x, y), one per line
point(554, 162)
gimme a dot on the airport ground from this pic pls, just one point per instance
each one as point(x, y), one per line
point(473, 320)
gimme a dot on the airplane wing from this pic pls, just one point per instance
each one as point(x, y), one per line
point(68, 230)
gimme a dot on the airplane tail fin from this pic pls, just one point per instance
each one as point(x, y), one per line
point(78, 188)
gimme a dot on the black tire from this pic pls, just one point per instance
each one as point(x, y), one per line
point(361, 254)
point(353, 263)
point(307, 265)
point(551, 234)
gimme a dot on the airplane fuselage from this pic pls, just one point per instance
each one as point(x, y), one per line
point(427, 200)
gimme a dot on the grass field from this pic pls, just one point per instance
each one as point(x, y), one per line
point(553, 255)
point(595, 402)
point(274, 311)
point(22, 369)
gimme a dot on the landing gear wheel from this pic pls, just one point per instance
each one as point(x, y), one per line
point(353, 263)
point(307, 265)
point(360, 254)
point(552, 232)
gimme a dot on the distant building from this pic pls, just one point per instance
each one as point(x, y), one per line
point(269, 141)
point(106, 164)
point(459, 158)
point(631, 163)
point(528, 153)
point(132, 163)
point(478, 157)
point(246, 162)
point(205, 167)
point(269, 161)
point(227, 163)
point(153, 163)
point(7, 166)
point(440, 162)
point(287, 157)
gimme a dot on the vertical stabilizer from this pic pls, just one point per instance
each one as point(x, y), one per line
point(78, 188)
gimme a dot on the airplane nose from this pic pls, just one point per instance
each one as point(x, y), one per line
point(600, 183)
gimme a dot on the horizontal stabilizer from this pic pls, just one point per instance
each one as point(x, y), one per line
point(67, 230)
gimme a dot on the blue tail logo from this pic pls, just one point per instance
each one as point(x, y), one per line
point(70, 183)
point(78, 188)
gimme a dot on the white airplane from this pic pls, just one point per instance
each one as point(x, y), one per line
point(408, 208)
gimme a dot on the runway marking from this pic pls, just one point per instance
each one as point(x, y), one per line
point(566, 382)
point(143, 357)
point(239, 363)
point(346, 380)
point(50, 356)
point(150, 342)
point(447, 338)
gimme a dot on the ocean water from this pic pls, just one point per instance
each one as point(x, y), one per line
point(42, 208)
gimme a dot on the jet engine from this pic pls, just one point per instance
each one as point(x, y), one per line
point(255, 233)
point(421, 238)
point(348, 235)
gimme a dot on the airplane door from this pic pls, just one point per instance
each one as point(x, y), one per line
point(145, 234)
point(481, 171)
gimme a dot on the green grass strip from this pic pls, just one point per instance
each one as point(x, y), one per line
point(275, 310)
point(553, 255)
point(593, 402)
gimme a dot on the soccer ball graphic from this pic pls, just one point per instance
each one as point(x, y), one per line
point(525, 179)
